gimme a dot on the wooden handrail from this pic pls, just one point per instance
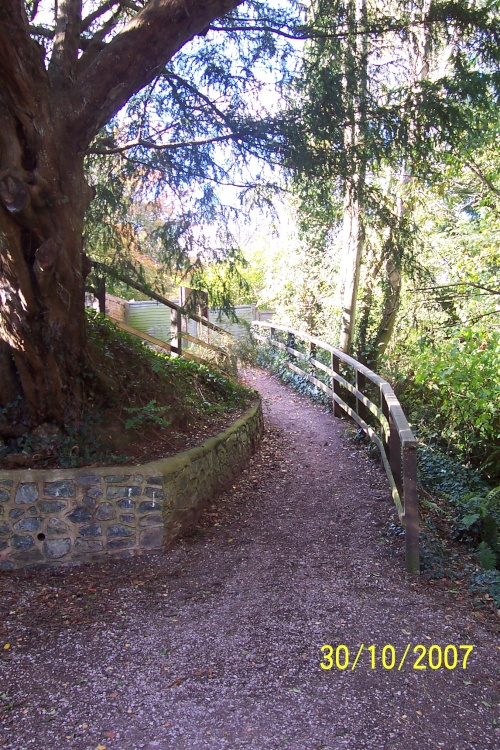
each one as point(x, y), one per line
point(396, 442)
point(105, 269)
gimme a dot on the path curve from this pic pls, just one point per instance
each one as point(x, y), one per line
point(216, 645)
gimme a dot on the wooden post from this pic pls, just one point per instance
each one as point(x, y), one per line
point(393, 447)
point(411, 508)
point(176, 330)
point(337, 410)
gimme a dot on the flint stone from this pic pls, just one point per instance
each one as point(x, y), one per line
point(127, 518)
point(6, 483)
point(121, 543)
point(90, 502)
point(88, 545)
point(114, 492)
point(93, 530)
point(94, 492)
point(4, 529)
point(56, 526)
point(126, 504)
point(4, 496)
point(22, 542)
point(16, 513)
point(154, 493)
point(154, 480)
point(64, 488)
point(3, 544)
point(151, 538)
point(28, 524)
point(55, 548)
point(79, 515)
point(148, 506)
point(6, 565)
point(120, 530)
point(51, 506)
point(32, 556)
point(88, 481)
point(115, 478)
point(154, 520)
point(26, 494)
point(105, 512)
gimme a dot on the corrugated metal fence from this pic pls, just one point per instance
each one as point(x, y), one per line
point(154, 318)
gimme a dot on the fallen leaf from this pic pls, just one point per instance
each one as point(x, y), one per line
point(177, 681)
point(7, 645)
point(110, 735)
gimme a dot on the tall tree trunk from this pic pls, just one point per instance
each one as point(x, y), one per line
point(44, 196)
point(355, 88)
point(48, 117)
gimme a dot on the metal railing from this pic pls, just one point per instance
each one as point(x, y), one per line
point(349, 380)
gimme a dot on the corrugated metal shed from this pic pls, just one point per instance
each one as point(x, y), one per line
point(149, 317)
point(154, 318)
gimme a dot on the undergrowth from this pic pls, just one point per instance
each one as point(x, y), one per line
point(136, 399)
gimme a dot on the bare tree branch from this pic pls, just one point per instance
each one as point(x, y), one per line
point(162, 146)
point(458, 283)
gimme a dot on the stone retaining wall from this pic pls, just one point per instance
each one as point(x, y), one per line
point(78, 515)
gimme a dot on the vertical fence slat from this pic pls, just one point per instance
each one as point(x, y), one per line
point(176, 329)
point(337, 410)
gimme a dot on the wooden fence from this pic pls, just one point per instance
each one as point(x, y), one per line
point(178, 326)
point(350, 381)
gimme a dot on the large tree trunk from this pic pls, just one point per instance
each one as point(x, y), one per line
point(355, 87)
point(41, 269)
point(43, 199)
point(48, 117)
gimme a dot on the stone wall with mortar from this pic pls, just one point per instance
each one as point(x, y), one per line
point(77, 515)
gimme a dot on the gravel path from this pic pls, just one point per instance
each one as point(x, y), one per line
point(217, 643)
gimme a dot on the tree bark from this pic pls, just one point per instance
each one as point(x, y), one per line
point(48, 117)
point(355, 87)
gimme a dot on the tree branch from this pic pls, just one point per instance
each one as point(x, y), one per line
point(133, 58)
point(458, 283)
point(162, 146)
point(477, 171)
point(22, 70)
point(66, 42)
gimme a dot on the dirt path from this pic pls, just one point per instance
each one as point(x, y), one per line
point(217, 644)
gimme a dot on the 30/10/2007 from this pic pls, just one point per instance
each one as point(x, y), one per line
point(432, 657)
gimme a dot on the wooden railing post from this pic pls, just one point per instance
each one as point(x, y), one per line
point(411, 508)
point(337, 410)
point(176, 329)
point(393, 447)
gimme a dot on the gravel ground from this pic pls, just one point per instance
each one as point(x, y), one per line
point(217, 643)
